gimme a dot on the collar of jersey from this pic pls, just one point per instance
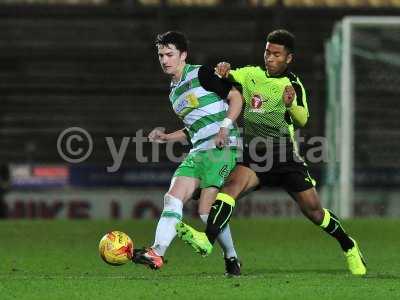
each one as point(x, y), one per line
point(283, 74)
point(183, 77)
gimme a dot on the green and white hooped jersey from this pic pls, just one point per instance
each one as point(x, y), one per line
point(200, 110)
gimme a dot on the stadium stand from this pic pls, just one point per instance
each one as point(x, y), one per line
point(97, 68)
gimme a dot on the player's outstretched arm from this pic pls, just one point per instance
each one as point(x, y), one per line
point(177, 136)
point(158, 135)
point(222, 69)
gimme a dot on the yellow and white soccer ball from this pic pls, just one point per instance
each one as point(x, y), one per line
point(116, 248)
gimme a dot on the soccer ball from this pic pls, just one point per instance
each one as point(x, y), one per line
point(116, 248)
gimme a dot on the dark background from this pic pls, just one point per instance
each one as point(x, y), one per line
point(96, 67)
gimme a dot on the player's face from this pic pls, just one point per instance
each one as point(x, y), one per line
point(171, 59)
point(276, 58)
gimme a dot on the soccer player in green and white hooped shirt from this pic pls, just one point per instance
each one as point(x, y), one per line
point(200, 99)
point(275, 101)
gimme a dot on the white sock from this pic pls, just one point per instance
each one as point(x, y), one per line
point(170, 216)
point(224, 239)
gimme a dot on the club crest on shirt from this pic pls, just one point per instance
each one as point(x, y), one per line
point(256, 103)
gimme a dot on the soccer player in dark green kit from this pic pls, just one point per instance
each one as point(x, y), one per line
point(274, 104)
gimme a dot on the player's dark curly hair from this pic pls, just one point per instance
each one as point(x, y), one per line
point(282, 37)
point(173, 37)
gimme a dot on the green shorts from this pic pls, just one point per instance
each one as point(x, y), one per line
point(212, 166)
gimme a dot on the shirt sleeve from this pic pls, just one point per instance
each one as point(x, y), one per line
point(211, 82)
point(299, 109)
point(301, 96)
point(239, 75)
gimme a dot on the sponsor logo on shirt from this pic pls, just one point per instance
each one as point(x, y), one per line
point(180, 106)
point(256, 103)
point(189, 102)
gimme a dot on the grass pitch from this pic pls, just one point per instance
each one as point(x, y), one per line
point(283, 259)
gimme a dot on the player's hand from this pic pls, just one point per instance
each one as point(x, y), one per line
point(157, 135)
point(288, 95)
point(222, 138)
point(222, 69)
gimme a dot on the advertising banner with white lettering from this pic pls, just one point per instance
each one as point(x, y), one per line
point(147, 203)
